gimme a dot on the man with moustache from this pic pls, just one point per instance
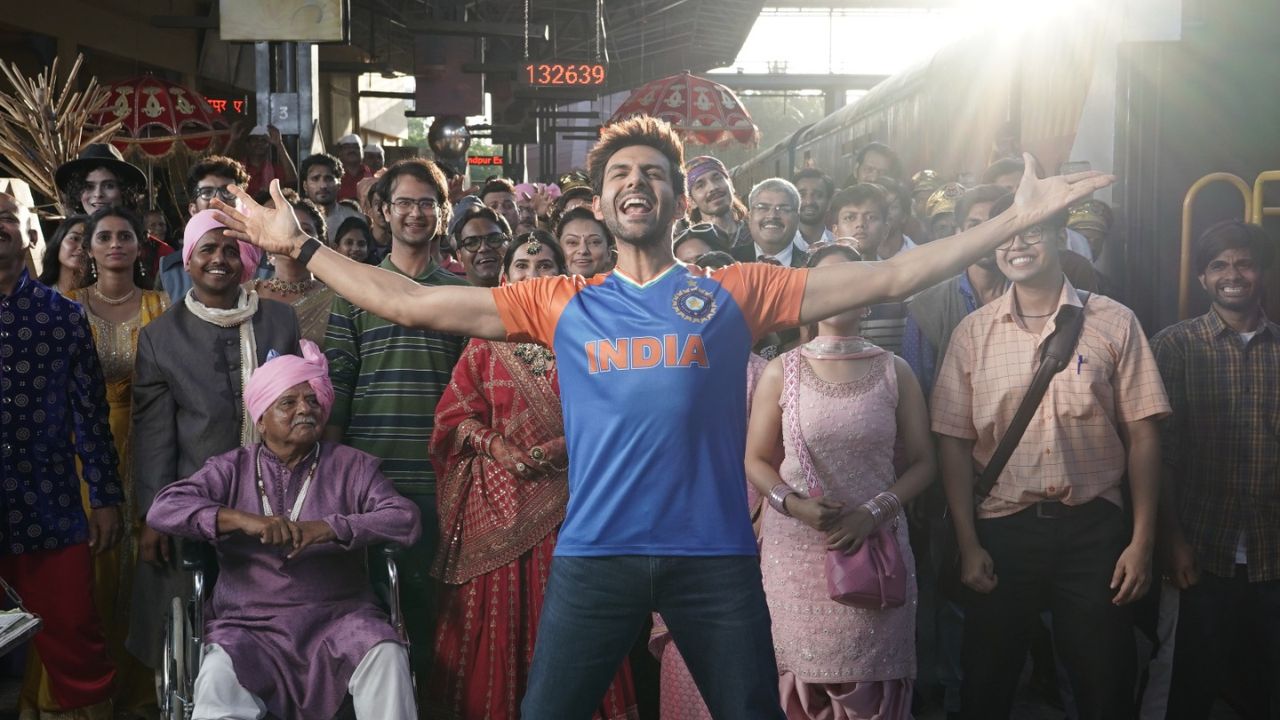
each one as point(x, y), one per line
point(933, 314)
point(387, 375)
point(815, 190)
point(53, 415)
point(655, 517)
point(1052, 529)
point(480, 237)
point(190, 371)
point(1220, 530)
point(321, 174)
point(711, 192)
point(285, 515)
point(774, 220)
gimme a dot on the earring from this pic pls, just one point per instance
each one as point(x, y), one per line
point(93, 269)
point(142, 269)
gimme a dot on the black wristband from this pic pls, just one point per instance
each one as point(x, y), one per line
point(309, 248)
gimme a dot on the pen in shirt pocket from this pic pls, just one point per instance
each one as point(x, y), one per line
point(1079, 362)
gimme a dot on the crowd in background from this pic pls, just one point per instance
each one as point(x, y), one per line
point(1130, 548)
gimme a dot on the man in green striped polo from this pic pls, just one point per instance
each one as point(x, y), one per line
point(387, 378)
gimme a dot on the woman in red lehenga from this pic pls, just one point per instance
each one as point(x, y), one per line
point(499, 452)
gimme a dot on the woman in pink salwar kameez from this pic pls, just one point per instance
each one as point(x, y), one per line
point(850, 401)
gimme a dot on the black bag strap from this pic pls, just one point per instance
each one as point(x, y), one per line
point(1055, 356)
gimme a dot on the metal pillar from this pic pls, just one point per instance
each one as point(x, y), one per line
point(286, 80)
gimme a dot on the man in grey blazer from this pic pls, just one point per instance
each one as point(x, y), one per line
point(189, 376)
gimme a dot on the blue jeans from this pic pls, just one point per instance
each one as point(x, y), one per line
point(596, 606)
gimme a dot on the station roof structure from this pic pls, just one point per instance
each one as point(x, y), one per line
point(641, 39)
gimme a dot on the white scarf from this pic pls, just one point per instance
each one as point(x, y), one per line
point(239, 316)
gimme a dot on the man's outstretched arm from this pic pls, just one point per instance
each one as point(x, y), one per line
point(459, 310)
point(835, 288)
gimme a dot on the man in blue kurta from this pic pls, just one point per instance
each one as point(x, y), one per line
point(293, 624)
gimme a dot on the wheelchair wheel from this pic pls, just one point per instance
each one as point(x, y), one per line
point(176, 691)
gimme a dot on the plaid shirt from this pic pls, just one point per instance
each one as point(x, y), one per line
point(1072, 451)
point(1222, 444)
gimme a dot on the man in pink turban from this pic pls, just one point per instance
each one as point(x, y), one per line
point(203, 222)
point(295, 626)
point(281, 373)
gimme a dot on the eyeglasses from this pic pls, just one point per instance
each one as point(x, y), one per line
point(404, 206)
point(207, 193)
point(1033, 235)
point(492, 241)
point(767, 209)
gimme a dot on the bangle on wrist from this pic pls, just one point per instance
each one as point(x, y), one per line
point(778, 498)
point(309, 248)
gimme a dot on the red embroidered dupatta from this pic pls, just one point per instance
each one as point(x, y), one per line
point(488, 517)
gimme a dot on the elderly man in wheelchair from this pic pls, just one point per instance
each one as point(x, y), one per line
point(293, 625)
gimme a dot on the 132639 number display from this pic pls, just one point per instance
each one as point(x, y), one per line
point(563, 74)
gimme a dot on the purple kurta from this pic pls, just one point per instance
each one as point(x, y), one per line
point(295, 630)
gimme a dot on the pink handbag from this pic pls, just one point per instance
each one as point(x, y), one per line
point(875, 576)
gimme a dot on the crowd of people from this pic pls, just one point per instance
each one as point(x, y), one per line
point(633, 399)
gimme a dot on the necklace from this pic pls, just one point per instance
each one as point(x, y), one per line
point(297, 287)
point(1024, 315)
point(114, 301)
point(302, 492)
point(537, 357)
point(835, 347)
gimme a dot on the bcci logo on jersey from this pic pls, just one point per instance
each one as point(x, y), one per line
point(694, 304)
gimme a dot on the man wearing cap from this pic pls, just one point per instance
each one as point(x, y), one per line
point(1092, 219)
point(294, 624)
point(923, 185)
point(711, 190)
point(351, 152)
point(940, 210)
point(375, 158)
point(257, 151)
point(190, 369)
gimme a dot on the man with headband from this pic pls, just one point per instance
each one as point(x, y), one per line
point(294, 624)
point(711, 190)
point(191, 366)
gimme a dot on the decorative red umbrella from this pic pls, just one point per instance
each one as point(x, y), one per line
point(700, 110)
point(158, 116)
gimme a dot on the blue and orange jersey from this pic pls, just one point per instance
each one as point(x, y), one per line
point(652, 383)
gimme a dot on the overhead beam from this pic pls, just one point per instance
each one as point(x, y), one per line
point(184, 22)
point(354, 68)
point(860, 4)
point(387, 94)
point(796, 81)
point(537, 31)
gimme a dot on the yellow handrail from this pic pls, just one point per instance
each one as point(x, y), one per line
point(1259, 211)
point(1184, 279)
